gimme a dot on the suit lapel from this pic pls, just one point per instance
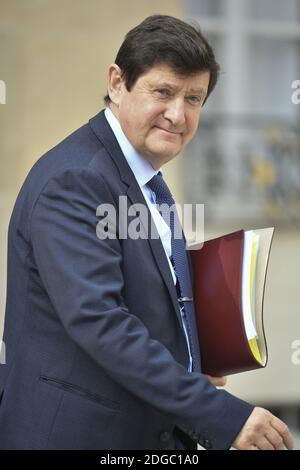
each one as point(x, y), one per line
point(104, 132)
point(136, 196)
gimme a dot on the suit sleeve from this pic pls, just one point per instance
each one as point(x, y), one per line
point(83, 278)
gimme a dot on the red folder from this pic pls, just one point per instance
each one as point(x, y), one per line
point(218, 283)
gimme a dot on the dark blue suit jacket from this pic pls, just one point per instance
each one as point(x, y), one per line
point(96, 353)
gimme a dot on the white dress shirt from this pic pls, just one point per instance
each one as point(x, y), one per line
point(143, 172)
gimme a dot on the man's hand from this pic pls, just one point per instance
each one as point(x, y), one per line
point(263, 431)
point(217, 381)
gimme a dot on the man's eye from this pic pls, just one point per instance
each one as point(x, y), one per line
point(194, 99)
point(163, 92)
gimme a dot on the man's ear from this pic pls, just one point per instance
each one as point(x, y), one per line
point(115, 83)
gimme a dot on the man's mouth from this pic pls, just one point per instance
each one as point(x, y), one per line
point(168, 131)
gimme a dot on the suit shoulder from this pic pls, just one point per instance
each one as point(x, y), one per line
point(72, 158)
point(78, 150)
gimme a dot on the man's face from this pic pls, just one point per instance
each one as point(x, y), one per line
point(160, 114)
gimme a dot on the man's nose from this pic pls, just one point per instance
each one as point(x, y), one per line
point(175, 112)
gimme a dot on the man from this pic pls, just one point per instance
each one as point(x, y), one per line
point(100, 331)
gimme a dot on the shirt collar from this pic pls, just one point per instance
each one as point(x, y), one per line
point(141, 168)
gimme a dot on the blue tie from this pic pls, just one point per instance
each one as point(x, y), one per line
point(180, 262)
